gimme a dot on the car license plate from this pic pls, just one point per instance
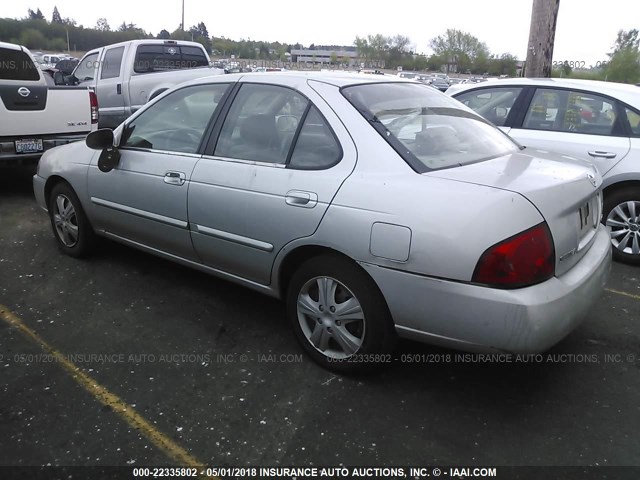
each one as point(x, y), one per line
point(31, 145)
point(587, 214)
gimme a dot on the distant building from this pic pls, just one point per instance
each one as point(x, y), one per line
point(324, 57)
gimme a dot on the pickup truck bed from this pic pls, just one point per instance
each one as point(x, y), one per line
point(35, 116)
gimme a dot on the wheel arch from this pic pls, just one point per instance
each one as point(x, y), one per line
point(51, 182)
point(614, 187)
point(297, 256)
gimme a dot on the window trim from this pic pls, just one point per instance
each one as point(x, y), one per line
point(619, 129)
point(205, 134)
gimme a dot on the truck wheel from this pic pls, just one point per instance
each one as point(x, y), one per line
point(71, 226)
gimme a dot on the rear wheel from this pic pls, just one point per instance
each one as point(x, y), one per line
point(339, 316)
point(70, 225)
point(622, 215)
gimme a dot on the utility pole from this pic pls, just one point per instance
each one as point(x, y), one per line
point(182, 15)
point(544, 17)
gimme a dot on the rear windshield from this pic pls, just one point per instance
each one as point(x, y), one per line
point(153, 58)
point(428, 129)
point(17, 65)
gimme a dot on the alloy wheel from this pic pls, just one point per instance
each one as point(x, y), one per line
point(624, 221)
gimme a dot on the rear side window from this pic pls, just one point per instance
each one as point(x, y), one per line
point(17, 65)
point(112, 63)
point(494, 104)
point(152, 58)
point(261, 124)
point(316, 147)
point(634, 121)
point(570, 111)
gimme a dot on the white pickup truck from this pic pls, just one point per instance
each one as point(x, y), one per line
point(35, 117)
point(127, 75)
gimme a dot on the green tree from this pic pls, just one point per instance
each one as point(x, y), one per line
point(56, 18)
point(624, 60)
point(460, 49)
point(37, 15)
point(164, 34)
point(102, 25)
point(32, 38)
point(334, 58)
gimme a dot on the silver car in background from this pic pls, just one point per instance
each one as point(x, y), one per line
point(374, 207)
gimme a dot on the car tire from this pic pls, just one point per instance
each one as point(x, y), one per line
point(70, 225)
point(353, 332)
point(620, 206)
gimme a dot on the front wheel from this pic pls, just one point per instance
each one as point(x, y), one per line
point(339, 315)
point(622, 215)
point(71, 227)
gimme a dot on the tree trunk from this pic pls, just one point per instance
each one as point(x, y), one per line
point(541, 37)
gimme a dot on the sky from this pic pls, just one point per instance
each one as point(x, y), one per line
point(585, 32)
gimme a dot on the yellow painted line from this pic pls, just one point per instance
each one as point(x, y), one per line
point(625, 294)
point(104, 396)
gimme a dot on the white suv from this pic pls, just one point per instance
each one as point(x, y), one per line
point(597, 121)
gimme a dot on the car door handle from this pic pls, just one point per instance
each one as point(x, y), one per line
point(599, 154)
point(119, 89)
point(298, 198)
point(174, 178)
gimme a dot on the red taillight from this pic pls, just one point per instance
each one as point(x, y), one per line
point(93, 101)
point(522, 260)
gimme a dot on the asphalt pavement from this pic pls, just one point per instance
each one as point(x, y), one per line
point(127, 359)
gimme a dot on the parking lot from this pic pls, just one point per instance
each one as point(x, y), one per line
point(209, 372)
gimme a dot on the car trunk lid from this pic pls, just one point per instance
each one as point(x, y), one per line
point(565, 190)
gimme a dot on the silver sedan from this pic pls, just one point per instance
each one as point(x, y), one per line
point(374, 207)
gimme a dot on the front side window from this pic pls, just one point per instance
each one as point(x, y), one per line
point(86, 69)
point(112, 63)
point(177, 122)
point(570, 111)
point(427, 129)
point(494, 104)
point(261, 124)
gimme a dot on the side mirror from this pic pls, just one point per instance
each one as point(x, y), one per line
point(109, 159)
point(100, 139)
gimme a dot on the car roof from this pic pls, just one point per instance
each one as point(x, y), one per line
point(338, 79)
point(622, 91)
point(10, 46)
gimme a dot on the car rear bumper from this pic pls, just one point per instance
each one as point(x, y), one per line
point(475, 318)
point(9, 157)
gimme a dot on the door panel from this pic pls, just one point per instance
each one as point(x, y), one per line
point(144, 199)
point(136, 202)
point(606, 151)
point(575, 123)
point(243, 211)
point(111, 99)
